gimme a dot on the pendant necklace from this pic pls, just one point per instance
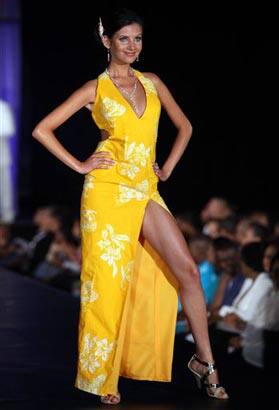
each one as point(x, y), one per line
point(129, 94)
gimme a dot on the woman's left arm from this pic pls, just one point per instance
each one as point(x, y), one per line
point(180, 121)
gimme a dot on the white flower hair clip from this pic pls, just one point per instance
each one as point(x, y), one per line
point(100, 27)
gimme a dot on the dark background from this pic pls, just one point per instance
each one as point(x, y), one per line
point(220, 72)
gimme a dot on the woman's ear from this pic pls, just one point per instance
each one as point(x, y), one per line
point(106, 42)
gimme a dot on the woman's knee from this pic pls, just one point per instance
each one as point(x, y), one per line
point(189, 276)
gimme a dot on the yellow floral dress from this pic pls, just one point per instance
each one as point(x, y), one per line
point(128, 296)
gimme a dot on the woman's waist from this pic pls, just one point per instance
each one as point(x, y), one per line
point(128, 150)
point(125, 173)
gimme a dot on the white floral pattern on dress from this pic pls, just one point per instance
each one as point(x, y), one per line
point(88, 184)
point(112, 109)
point(139, 193)
point(103, 348)
point(129, 169)
point(148, 84)
point(136, 156)
point(88, 220)
point(94, 350)
point(87, 293)
point(112, 243)
point(126, 273)
point(88, 360)
point(91, 386)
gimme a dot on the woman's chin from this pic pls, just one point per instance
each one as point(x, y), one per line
point(129, 60)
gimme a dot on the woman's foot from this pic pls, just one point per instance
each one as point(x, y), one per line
point(111, 398)
point(207, 377)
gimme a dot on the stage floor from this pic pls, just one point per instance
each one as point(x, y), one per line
point(38, 350)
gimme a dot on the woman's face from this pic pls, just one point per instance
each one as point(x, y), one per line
point(126, 44)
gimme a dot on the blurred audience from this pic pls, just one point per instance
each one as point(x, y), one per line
point(254, 232)
point(188, 224)
point(201, 249)
point(227, 263)
point(271, 248)
point(216, 208)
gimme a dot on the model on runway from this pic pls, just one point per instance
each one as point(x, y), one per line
point(134, 257)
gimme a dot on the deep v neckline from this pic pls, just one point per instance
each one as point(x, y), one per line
point(126, 100)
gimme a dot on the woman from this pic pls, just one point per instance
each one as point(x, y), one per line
point(134, 257)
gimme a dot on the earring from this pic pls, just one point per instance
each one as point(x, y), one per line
point(137, 59)
point(108, 55)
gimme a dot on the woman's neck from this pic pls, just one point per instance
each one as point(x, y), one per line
point(120, 71)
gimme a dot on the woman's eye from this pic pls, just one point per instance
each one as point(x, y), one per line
point(138, 39)
point(123, 38)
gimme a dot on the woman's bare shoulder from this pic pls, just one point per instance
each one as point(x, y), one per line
point(89, 88)
point(153, 77)
point(157, 82)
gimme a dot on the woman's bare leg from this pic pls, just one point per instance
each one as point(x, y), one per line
point(162, 232)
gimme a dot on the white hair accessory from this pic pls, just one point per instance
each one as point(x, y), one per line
point(100, 27)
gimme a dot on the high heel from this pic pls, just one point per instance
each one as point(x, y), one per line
point(214, 390)
point(107, 399)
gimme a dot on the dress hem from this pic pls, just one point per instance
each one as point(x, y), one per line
point(144, 379)
point(88, 390)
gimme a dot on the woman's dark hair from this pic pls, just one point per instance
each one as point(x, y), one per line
point(252, 255)
point(115, 20)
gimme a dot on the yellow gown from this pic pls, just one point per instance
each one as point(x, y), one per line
point(128, 295)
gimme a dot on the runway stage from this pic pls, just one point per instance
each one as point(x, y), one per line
point(38, 351)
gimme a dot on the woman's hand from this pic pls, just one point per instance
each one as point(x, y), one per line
point(98, 160)
point(162, 174)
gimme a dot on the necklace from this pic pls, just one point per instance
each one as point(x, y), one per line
point(130, 95)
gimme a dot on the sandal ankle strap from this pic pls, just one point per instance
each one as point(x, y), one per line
point(210, 366)
point(212, 385)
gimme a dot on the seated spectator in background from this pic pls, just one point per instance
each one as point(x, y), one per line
point(271, 248)
point(227, 227)
point(47, 224)
point(241, 228)
point(211, 228)
point(254, 232)
point(73, 262)
point(35, 250)
point(251, 340)
point(245, 306)
point(10, 258)
point(187, 224)
point(214, 228)
point(216, 208)
point(201, 249)
point(227, 264)
point(260, 217)
point(61, 266)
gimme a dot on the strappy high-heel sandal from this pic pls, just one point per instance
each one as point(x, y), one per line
point(111, 398)
point(214, 390)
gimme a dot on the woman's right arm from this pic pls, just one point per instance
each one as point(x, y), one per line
point(43, 132)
